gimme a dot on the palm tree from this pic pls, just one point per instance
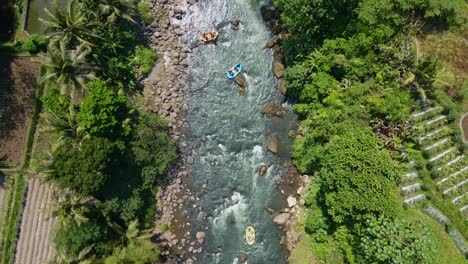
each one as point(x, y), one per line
point(62, 258)
point(71, 206)
point(111, 10)
point(132, 233)
point(71, 26)
point(68, 68)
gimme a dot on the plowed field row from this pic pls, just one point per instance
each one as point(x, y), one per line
point(35, 245)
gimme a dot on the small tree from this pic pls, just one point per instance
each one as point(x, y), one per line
point(85, 167)
point(102, 111)
point(358, 177)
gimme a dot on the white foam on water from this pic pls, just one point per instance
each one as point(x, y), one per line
point(222, 147)
point(236, 207)
point(257, 152)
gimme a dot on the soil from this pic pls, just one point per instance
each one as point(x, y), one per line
point(464, 127)
point(17, 91)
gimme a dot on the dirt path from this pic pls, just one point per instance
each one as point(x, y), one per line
point(17, 86)
point(35, 241)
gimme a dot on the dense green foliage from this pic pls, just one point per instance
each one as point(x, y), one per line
point(318, 20)
point(102, 111)
point(34, 44)
point(355, 72)
point(387, 241)
point(109, 157)
point(144, 59)
point(150, 149)
point(144, 252)
point(357, 177)
point(144, 12)
point(85, 168)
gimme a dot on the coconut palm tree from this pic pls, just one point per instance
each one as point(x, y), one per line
point(62, 258)
point(68, 68)
point(71, 26)
point(132, 233)
point(111, 10)
point(71, 206)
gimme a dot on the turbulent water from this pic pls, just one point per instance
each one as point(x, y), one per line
point(229, 134)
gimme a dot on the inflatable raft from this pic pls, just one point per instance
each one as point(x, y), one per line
point(250, 235)
point(234, 71)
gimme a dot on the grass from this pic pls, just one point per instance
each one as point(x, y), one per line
point(446, 250)
point(11, 216)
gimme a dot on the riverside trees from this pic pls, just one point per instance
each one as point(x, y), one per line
point(352, 67)
point(107, 152)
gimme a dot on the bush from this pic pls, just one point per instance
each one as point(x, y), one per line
point(144, 59)
point(145, 12)
point(102, 112)
point(54, 102)
point(153, 150)
point(384, 240)
point(71, 238)
point(358, 177)
point(316, 225)
point(34, 44)
point(87, 167)
point(28, 46)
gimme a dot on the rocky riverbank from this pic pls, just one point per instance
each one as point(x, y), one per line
point(293, 185)
point(165, 92)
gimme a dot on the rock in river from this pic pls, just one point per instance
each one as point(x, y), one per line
point(273, 144)
point(241, 82)
point(263, 169)
point(273, 110)
point(292, 201)
point(281, 219)
point(235, 24)
point(278, 69)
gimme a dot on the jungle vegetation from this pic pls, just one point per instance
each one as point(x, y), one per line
point(109, 156)
point(355, 73)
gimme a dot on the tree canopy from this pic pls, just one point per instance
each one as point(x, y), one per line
point(102, 111)
point(358, 177)
point(86, 167)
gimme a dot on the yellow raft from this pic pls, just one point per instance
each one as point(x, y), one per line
point(250, 235)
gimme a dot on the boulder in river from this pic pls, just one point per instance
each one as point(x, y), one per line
point(200, 235)
point(292, 201)
point(241, 82)
point(282, 87)
point(263, 169)
point(278, 69)
point(235, 24)
point(281, 219)
point(272, 42)
point(273, 144)
point(269, 13)
point(273, 110)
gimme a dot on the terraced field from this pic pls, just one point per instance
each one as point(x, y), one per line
point(448, 165)
point(34, 244)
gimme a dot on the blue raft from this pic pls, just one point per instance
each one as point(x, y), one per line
point(234, 71)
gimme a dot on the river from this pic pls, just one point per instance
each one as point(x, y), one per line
point(228, 134)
